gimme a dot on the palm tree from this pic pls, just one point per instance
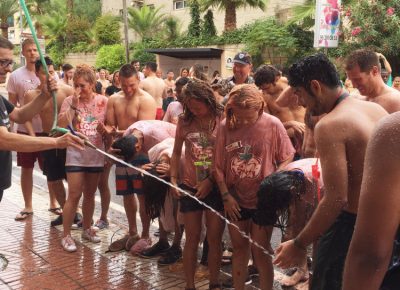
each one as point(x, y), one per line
point(230, 7)
point(37, 8)
point(146, 21)
point(7, 9)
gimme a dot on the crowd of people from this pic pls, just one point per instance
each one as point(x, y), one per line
point(301, 151)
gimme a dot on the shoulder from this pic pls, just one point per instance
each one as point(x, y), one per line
point(145, 96)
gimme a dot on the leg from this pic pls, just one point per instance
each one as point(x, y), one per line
point(75, 189)
point(56, 189)
point(145, 219)
point(262, 235)
point(130, 210)
point(215, 227)
point(26, 187)
point(241, 253)
point(105, 193)
point(89, 189)
point(193, 230)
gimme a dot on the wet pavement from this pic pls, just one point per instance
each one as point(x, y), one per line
point(31, 256)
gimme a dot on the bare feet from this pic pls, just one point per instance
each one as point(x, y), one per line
point(298, 276)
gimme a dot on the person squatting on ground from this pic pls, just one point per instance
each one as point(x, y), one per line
point(84, 111)
point(316, 82)
point(242, 160)
point(197, 128)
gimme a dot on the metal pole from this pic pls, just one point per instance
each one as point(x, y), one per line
point(22, 59)
point(125, 16)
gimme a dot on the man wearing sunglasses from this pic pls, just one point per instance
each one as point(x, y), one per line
point(17, 142)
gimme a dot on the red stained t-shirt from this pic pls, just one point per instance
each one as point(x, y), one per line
point(244, 156)
point(199, 149)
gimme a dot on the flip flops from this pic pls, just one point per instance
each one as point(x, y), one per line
point(23, 215)
point(56, 210)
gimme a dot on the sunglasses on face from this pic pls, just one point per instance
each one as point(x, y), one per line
point(6, 62)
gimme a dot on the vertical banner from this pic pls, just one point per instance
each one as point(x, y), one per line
point(327, 22)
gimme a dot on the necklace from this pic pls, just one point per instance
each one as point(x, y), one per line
point(206, 127)
point(340, 99)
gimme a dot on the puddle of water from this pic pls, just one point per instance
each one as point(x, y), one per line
point(3, 262)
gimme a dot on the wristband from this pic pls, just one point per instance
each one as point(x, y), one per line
point(298, 244)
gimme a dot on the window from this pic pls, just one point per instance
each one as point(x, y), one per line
point(180, 4)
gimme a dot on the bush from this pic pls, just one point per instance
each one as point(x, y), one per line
point(111, 57)
point(78, 30)
point(107, 30)
point(139, 52)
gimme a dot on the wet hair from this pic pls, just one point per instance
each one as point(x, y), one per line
point(155, 192)
point(66, 67)
point(198, 72)
point(181, 81)
point(200, 91)
point(245, 96)
point(38, 63)
point(170, 91)
point(315, 67)
point(26, 42)
point(127, 71)
point(275, 195)
point(127, 146)
point(183, 69)
point(135, 61)
point(152, 66)
point(98, 88)
point(365, 59)
point(266, 74)
point(114, 76)
point(86, 72)
point(170, 70)
point(217, 88)
point(5, 43)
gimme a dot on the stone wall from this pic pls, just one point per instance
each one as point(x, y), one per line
point(77, 58)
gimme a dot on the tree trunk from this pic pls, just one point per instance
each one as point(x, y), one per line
point(4, 28)
point(230, 16)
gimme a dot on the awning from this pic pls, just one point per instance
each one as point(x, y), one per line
point(188, 53)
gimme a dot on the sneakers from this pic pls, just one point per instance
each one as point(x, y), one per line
point(90, 235)
point(171, 256)
point(68, 244)
point(155, 250)
point(124, 243)
point(77, 226)
point(101, 225)
point(58, 221)
point(140, 246)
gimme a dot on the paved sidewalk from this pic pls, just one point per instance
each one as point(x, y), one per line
point(36, 259)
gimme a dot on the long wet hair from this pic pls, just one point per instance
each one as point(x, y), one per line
point(245, 96)
point(127, 146)
point(200, 91)
point(155, 192)
point(276, 193)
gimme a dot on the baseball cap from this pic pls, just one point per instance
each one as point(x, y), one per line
point(242, 58)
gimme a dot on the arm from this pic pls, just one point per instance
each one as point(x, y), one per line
point(175, 160)
point(25, 143)
point(386, 64)
point(29, 96)
point(148, 108)
point(379, 211)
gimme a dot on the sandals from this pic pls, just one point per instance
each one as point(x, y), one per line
point(23, 215)
point(56, 210)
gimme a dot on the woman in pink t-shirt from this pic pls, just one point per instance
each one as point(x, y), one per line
point(85, 110)
point(197, 128)
point(250, 146)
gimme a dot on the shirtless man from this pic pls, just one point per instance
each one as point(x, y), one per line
point(364, 71)
point(123, 109)
point(53, 159)
point(272, 84)
point(341, 137)
point(379, 211)
point(155, 86)
point(169, 81)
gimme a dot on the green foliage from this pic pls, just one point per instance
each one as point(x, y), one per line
point(56, 53)
point(372, 24)
point(194, 28)
point(88, 9)
point(171, 28)
point(139, 51)
point(107, 30)
point(209, 29)
point(146, 21)
point(78, 30)
point(7, 9)
point(111, 57)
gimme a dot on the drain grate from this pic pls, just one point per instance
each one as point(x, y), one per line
point(3, 262)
